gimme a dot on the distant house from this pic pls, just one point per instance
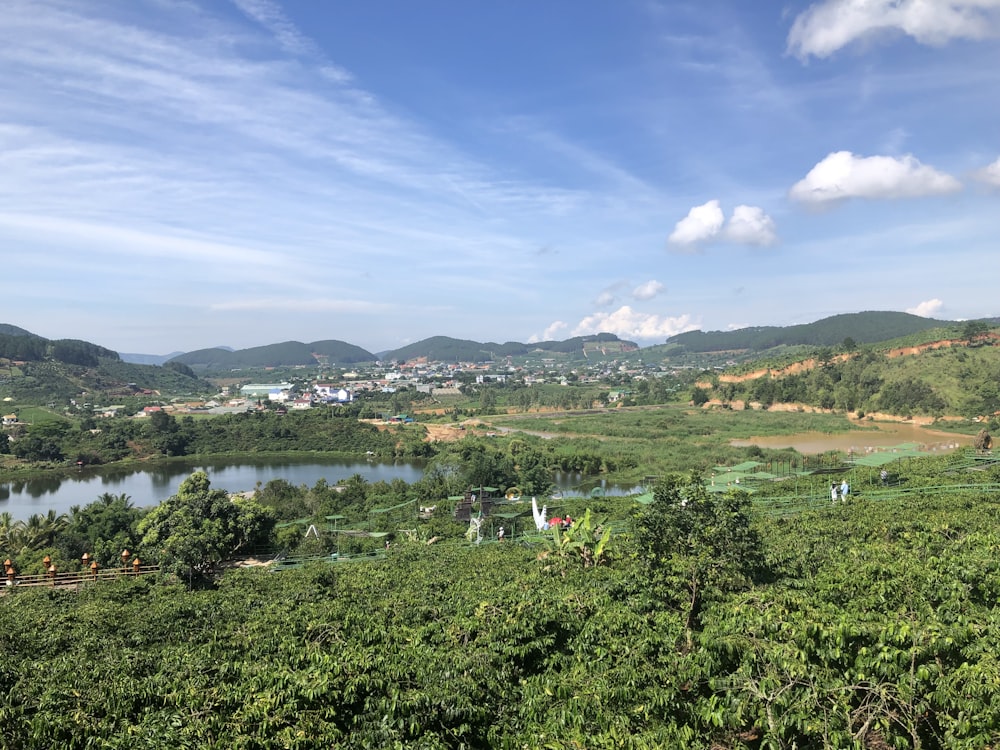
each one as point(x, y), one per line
point(260, 390)
point(9, 419)
point(302, 403)
point(331, 392)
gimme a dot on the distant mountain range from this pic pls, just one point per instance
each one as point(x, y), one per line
point(437, 348)
point(863, 328)
point(148, 359)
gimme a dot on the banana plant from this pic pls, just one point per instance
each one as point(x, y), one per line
point(583, 539)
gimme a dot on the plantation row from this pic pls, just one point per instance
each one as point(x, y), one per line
point(870, 625)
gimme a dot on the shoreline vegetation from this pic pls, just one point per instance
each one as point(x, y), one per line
point(618, 431)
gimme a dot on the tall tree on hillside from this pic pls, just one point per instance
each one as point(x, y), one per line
point(974, 331)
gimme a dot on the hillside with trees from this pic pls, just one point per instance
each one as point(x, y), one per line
point(286, 354)
point(446, 349)
point(863, 328)
point(36, 370)
point(957, 376)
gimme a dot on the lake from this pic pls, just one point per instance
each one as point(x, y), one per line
point(885, 435)
point(151, 485)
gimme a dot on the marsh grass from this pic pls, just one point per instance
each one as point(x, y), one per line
point(643, 441)
point(683, 422)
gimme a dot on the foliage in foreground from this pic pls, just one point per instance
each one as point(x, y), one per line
point(875, 627)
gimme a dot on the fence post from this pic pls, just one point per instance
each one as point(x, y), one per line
point(125, 556)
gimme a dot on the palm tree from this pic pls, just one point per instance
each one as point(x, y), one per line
point(8, 528)
point(40, 531)
point(108, 498)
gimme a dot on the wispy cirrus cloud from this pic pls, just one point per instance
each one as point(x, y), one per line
point(297, 304)
point(178, 140)
point(270, 15)
point(648, 289)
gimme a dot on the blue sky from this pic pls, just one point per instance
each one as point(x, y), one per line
point(177, 174)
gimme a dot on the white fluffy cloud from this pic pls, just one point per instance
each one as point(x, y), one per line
point(605, 298)
point(631, 324)
point(827, 26)
point(844, 175)
point(927, 309)
point(990, 174)
point(748, 225)
point(648, 290)
point(702, 223)
point(549, 334)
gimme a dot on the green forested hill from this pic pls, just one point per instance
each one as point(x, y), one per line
point(446, 349)
point(29, 347)
point(958, 379)
point(6, 329)
point(285, 354)
point(107, 379)
point(863, 328)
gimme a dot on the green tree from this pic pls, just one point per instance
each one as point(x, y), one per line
point(488, 400)
point(973, 331)
point(103, 529)
point(698, 543)
point(699, 396)
point(199, 527)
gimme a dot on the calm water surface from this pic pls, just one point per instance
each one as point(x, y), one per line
point(151, 486)
point(886, 435)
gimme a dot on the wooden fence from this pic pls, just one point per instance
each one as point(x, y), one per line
point(75, 579)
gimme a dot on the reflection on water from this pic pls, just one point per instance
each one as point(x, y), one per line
point(885, 435)
point(572, 484)
point(151, 485)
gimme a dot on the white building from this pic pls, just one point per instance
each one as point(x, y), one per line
point(331, 392)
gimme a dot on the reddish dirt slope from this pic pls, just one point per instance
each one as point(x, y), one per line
point(808, 364)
